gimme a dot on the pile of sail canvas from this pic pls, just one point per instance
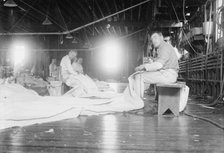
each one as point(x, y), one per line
point(21, 107)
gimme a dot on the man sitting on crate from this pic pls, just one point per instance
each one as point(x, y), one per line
point(163, 69)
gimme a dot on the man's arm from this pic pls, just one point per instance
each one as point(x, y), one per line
point(153, 66)
point(164, 54)
point(149, 66)
point(69, 67)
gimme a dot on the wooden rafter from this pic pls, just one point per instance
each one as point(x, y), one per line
point(108, 30)
point(131, 1)
point(80, 14)
point(107, 7)
point(126, 29)
point(150, 11)
point(97, 30)
point(62, 7)
point(118, 18)
point(120, 31)
point(132, 27)
point(139, 12)
point(102, 29)
point(84, 10)
point(92, 10)
point(124, 16)
point(98, 6)
point(86, 36)
point(114, 30)
point(116, 9)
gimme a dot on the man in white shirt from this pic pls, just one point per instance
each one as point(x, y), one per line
point(67, 71)
point(169, 41)
point(164, 68)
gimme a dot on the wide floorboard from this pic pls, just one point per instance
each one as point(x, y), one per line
point(133, 132)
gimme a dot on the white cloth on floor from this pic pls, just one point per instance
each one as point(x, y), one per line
point(21, 107)
point(83, 82)
point(184, 92)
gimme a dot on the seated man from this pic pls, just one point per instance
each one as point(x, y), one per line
point(67, 71)
point(77, 65)
point(83, 80)
point(81, 84)
point(53, 69)
point(164, 68)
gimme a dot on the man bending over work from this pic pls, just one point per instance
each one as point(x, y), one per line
point(67, 71)
point(163, 69)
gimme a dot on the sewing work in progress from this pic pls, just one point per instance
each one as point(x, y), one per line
point(119, 76)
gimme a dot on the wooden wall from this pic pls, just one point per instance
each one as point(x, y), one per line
point(44, 48)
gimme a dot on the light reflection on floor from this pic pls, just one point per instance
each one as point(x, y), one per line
point(110, 135)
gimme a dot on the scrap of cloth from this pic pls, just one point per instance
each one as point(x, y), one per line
point(22, 107)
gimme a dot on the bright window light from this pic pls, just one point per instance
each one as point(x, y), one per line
point(19, 54)
point(111, 56)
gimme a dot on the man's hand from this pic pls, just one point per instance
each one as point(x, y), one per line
point(150, 60)
point(140, 68)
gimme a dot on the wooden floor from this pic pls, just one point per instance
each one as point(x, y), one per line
point(134, 132)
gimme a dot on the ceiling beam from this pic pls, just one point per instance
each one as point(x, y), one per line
point(81, 27)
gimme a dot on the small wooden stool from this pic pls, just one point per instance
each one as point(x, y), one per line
point(169, 98)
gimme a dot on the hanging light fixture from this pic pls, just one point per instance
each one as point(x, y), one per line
point(46, 21)
point(10, 3)
point(69, 36)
